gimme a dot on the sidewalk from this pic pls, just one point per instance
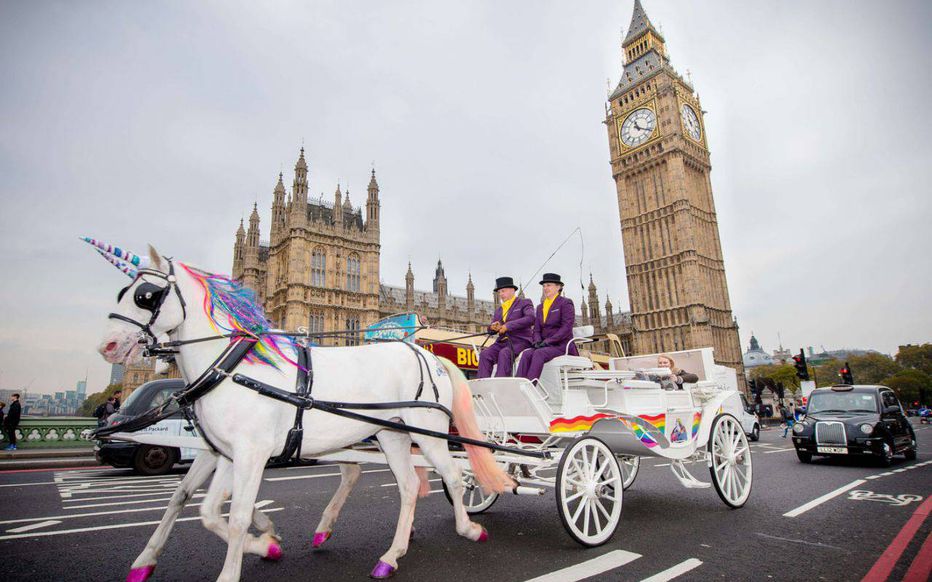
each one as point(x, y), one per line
point(47, 458)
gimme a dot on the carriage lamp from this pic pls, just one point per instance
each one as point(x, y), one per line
point(799, 427)
point(867, 429)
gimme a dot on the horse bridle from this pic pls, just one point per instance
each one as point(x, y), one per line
point(150, 297)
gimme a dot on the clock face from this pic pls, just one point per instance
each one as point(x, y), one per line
point(691, 122)
point(638, 127)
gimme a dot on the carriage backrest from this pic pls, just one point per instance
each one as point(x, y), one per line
point(583, 331)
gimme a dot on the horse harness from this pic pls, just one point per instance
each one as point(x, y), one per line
point(151, 297)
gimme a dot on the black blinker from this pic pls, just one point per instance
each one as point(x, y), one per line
point(148, 296)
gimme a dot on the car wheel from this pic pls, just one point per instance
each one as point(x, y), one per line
point(803, 456)
point(154, 460)
point(912, 451)
point(886, 455)
point(755, 433)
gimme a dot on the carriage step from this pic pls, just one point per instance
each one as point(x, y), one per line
point(686, 478)
point(524, 490)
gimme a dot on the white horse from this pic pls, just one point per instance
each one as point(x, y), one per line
point(248, 428)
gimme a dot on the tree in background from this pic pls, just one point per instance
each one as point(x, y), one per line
point(872, 368)
point(826, 373)
point(96, 399)
point(909, 385)
point(916, 357)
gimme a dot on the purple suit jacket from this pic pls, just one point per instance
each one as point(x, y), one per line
point(520, 320)
point(558, 329)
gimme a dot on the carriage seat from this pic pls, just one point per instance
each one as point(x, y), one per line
point(581, 335)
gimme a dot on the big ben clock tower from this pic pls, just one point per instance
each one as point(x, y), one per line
point(660, 163)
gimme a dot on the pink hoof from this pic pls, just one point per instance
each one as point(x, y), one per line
point(319, 538)
point(484, 536)
point(382, 571)
point(274, 554)
point(140, 574)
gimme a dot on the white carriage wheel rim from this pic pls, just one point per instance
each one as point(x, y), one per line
point(472, 491)
point(731, 461)
point(630, 464)
point(593, 467)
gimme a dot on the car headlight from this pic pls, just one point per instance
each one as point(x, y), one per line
point(867, 429)
point(798, 428)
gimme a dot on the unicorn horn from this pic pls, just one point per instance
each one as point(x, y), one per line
point(123, 267)
point(125, 255)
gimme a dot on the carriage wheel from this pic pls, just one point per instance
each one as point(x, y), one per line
point(589, 491)
point(730, 460)
point(629, 469)
point(474, 499)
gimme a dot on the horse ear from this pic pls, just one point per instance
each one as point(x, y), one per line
point(155, 259)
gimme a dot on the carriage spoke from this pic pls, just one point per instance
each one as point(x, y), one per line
point(579, 510)
point(603, 511)
point(595, 516)
point(472, 497)
point(574, 496)
point(588, 506)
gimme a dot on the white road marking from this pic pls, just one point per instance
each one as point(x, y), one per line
point(820, 500)
point(150, 494)
point(396, 484)
point(593, 567)
point(678, 570)
point(779, 451)
point(259, 505)
point(112, 526)
point(195, 496)
point(34, 526)
point(28, 484)
point(321, 475)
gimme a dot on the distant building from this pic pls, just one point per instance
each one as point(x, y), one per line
point(756, 356)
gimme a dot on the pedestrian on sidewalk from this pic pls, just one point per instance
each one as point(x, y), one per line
point(11, 422)
point(116, 400)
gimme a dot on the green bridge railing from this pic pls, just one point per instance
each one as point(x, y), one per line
point(53, 431)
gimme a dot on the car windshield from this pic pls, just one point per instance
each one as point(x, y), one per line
point(147, 397)
point(842, 402)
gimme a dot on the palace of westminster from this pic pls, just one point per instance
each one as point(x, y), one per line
point(319, 268)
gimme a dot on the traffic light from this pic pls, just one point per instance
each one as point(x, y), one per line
point(845, 374)
point(799, 362)
point(752, 386)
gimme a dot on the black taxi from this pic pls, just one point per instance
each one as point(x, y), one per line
point(854, 420)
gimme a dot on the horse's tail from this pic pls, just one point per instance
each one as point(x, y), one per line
point(488, 473)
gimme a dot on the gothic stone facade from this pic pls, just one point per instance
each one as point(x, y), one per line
point(660, 163)
point(320, 267)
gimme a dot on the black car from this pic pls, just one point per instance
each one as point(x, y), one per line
point(145, 459)
point(854, 420)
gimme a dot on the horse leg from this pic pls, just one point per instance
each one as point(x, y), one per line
point(247, 476)
point(397, 450)
point(349, 475)
point(437, 454)
point(200, 470)
point(266, 546)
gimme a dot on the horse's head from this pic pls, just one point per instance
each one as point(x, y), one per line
point(147, 309)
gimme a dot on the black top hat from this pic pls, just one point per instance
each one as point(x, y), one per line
point(551, 278)
point(503, 282)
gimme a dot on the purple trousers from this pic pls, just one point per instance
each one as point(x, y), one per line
point(502, 353)
point(532, 364)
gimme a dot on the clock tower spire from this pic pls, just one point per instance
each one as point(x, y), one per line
point(661, 167)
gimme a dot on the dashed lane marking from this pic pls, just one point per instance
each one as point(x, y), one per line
point(593, 567)
point(779, 451)
point(678, 570)
point(33, 526)
point(820, 500)
point(111, 526)
point(292, 478)
point(259, 504)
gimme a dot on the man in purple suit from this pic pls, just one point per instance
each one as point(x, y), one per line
point(512, 322)
point(553, 329)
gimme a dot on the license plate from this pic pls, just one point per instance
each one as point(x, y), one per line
point(832, 450)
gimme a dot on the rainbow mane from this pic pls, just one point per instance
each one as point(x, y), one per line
point(233, 308)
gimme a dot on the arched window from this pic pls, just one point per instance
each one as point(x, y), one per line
point(319, 268)
point(352, 273)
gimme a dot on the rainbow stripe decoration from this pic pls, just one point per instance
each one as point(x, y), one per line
point(233, 308)
point(577, 423)
point(658, 421)
point(697, 418)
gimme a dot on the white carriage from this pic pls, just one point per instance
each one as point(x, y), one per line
point(597, 424)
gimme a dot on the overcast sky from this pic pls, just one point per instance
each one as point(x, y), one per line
point(163, 122)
